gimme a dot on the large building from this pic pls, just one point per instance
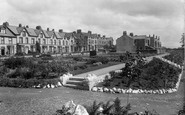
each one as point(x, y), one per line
point(23, 39)
point(125, 43)
point(138, 43)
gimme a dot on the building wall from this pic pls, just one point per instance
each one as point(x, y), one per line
point(124, 44)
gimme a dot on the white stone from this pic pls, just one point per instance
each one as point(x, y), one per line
point(111, 91)
point(44, 87)
point(52, 86)
point(100, 89)
point(114, 89)
point(94, 89)
point(80, 110)
point(70, 106)
point(105, 89)
point(59, 84)
point(48, 86)
point(123, 91)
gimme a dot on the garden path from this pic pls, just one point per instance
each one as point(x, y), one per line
point(112, 68)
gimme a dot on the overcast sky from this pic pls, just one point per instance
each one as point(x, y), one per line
point(110, 17)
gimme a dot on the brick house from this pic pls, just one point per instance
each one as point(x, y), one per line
point(125, 43)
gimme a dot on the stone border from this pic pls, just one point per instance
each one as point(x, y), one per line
point(140, 91)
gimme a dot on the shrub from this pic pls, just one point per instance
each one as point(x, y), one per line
point(13, 63)
point(78, 58)
point(26, 83)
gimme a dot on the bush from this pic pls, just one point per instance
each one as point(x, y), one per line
point(13, 63)
point(24, 83)
point(103, 60)
point(78, 58)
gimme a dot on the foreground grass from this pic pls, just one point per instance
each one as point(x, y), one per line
point(20, 101)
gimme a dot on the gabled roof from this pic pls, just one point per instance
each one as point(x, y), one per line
point(31, 32)
point(69, 34)
point(94, 35)
point(140, 37)
point(57, 34)
point(45, 33)
point(37, 31)
point(7, 33)
point(16, 30)
point(50, 33)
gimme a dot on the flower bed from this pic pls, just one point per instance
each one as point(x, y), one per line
point(171, 79)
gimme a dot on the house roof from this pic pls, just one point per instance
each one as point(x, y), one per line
point(140, 37)
point(45, 33)
point(58, 35)
point(7, 33)
point(50, 33)
point(37, 31)
point(31, 32)
point(69, 34)
point(16, 30)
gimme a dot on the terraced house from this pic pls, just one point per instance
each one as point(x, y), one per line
point(23, 39)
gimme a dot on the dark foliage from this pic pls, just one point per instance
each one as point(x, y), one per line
point(176, 56)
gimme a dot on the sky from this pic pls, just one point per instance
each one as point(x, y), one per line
point(164, 18)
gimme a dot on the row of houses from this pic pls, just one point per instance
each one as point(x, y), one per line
point(139, 43)
point(14, 39)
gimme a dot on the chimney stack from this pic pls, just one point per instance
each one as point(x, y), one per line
point(131, 34)
point(47, 29)
point(79, 31)
point(53, 30)
point(5, 24)
point(99, 35)
point(89, 32)
point(27, 26)
point(124, 33)
point(60, 30)
point(38, 28)
point(20, 25)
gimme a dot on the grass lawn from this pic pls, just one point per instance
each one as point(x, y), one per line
point(20, 101)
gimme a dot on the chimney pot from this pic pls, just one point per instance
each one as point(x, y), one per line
point(131, 34)
point(5, 24)
point(89, 32)
point(79, 31)
point(38, 27)
point(20, 25)
point(124, 33)
point(27, 26)
point(47, 29)
point(60, 30)
point(53, 30)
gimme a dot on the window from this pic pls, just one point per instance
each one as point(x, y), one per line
point(32, 40)
point(66, 43)
point(59, 42)
point(63, 42)
point(2, 31)
point(41, 35)
point(2, 41)
point(10, 40)
point(71, 41)
point(24, 33)
point(21, 40)
point(51, 41)
point(44, 41)
point(55, 42)
point(27, 40)
point(39, 40)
